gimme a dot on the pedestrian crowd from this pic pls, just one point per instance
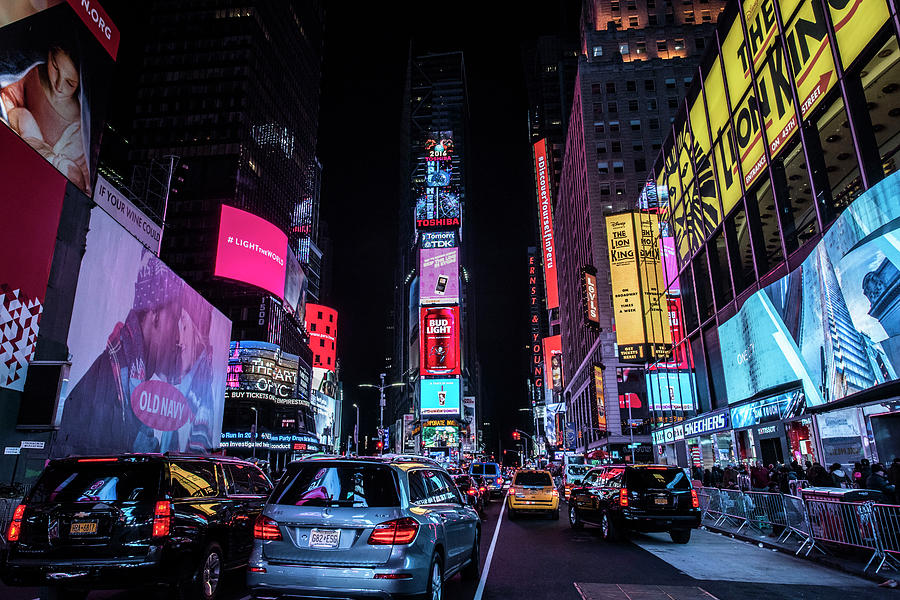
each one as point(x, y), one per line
point(779, 477)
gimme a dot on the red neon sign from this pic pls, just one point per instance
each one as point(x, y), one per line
point(545, 218)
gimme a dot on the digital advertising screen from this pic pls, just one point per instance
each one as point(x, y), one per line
point(262, 367)
point(33, 193)
point(439, 341)
point(545, 220)
point(671, 390)
point(440, 433)
point(808, 326)
point(439, 396)
point(437, 239)
point(553, 368)
point(439, 275)
point(149, 354)
point(252, 250)
point(56, 65)
point(295, 286)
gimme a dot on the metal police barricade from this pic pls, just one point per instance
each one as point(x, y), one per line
point(887, 520)
point(796, 521)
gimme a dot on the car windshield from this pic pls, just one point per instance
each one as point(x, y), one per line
point(114, 481)
point(337, 484)
point(577, 470)
point(535, 479)
point(484, 469)
point(658, 478)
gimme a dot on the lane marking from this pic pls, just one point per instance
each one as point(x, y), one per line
point(490, 554)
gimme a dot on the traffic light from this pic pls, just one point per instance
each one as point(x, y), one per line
point(379, 445)
point(516, 435)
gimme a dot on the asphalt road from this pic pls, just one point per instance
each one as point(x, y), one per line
point(536, 558)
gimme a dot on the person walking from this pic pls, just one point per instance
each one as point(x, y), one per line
point(759, 477)
point(818, 476)
point(839, 476)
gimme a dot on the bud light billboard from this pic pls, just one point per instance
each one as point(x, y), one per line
point(252, 250)
point(439, 396)
point(149, 354)
point(439, 275)
point(439, 341)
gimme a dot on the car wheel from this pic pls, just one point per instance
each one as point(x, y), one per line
point(62, 593)
point(473, 569)
point(680, 536)
point(435, 589)
point(575, 521)
point(208, 574)
point(609, 529)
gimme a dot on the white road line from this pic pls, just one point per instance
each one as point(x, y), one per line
point(490, 555)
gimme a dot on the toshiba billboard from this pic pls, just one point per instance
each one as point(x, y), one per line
point(545, 218)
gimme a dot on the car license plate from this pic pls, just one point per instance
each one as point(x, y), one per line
point(324, 538)
point(663, 501)
point(83, 528)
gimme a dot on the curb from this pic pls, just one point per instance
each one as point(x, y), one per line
point(826, 561)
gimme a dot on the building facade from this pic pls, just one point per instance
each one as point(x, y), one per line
point(637, 58)
point(780, 195)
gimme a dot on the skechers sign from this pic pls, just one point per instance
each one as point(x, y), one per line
point(706, 424)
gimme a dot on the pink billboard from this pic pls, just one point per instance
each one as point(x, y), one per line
point(439, 275)
point(251, 250)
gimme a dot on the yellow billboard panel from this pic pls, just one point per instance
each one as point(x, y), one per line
point(749, 136)
point(809, 53)
point(714, 88)
point(777, 101)
point(725, 155)
point(855, 24)
point(623, 273)
point(737, 69)
point(762, 31)
point(653, 283)
point(704, 178)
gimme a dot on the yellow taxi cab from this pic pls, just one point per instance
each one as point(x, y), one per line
point(532, 490)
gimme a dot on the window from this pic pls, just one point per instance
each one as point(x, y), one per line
point(616, 146)
point(320, 314)
point(620, 188)
point(670, 83)
point(601, 149)
point(599, 127)
point(718, 265)
point(610, 87)
point(614, 5)
point(635, 124)
point(688, 16)
point(633, 22)
point(533, 479)
point(661, 45)
point(614, 126)
point(679, 44)
point(618, 167)
point(432, 487)
point(705, 16)
point(838, 171)
point(633, 105)
point(795, 202)
point(637, 146)
point(700, 43)
point(246, 480)
point(881, 81)
point(337, 485)
point(331, 318)
point(612, 107)
point(673, 102)
point(603, 167)
point(652, 104)
point(597, 51)
point(623, 49)
point(704, 289)
point(651, 19)
point(321, 343)
point(687, 82)
point(654, 124)
point(193, 479)
point(631, 85)
point(604, 189)
point(640, 164)
point(649, 85)
point(741, 253)
point(312, 326)
point(97, 482)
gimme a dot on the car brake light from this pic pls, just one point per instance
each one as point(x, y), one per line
point(623, 497)
point(97, 460)
point(483, 489)
point(398, 531)
point(555, 492)
point(470, 492)
point(15, 526)
point(499, 481)
point(266, 528)
point(695, 501)
point(162, 518)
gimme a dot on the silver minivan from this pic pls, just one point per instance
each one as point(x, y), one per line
point(363, 527)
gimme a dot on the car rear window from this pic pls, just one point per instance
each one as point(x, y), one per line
point(484, 469)
point(462, 481)
point(577, 470)
point(542, 479)
point(337, 484)
point(658, 478)
point(98, 482)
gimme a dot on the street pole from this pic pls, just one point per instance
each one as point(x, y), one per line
point(356, 431)
point(255, 428)
point(381, 414)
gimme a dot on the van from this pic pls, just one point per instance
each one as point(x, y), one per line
point(491, 474)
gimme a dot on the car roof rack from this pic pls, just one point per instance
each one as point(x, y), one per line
point(396, 458)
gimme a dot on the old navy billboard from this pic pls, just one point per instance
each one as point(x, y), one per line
point(439, 275)
point(545, 220)
point(439, 337)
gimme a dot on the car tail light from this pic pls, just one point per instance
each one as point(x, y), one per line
point(695, 501)
point(623, 497)
point(499, 481)
point(398, 531)
point(482, 488)
point(470, 492)
point(555, 492)
point(91, 460)
point(257, 569)
point(266, 528)
point(15, 526)
point(162, 518)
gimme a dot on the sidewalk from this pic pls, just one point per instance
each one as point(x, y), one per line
point(838, 559)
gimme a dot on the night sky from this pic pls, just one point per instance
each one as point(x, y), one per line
point(367, 45)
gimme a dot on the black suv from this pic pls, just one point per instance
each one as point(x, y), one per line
point(135, 520)
point(622, 498)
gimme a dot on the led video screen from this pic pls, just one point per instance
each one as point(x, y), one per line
point(439, 396)
point(252, 250)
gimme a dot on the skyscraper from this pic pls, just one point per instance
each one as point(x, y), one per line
point(637, 58)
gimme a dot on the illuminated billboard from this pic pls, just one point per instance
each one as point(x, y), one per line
point(589, 296)
point(262, 367)
point(598, 397)
point(832, 325)
point(439, 396)
point(252, 250)
point(56, 65)
point(439, 276)
point(149, 354)
point(321, 325)
point(545, 219)
point(553, 369)
point(439, 343)
point(639, 300)
point(437, 239)
point(703, 174)
point(440, 432)
point(535, 329)
point(33, 195)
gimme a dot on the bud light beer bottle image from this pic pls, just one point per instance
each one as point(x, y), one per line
point(440, 344)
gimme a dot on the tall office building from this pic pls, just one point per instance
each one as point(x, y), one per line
point(434, 314)
point(230, 91)
point(637, 58)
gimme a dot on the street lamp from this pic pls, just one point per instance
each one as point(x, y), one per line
point(381, 403)
point(255, 428)
point(356, 430)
